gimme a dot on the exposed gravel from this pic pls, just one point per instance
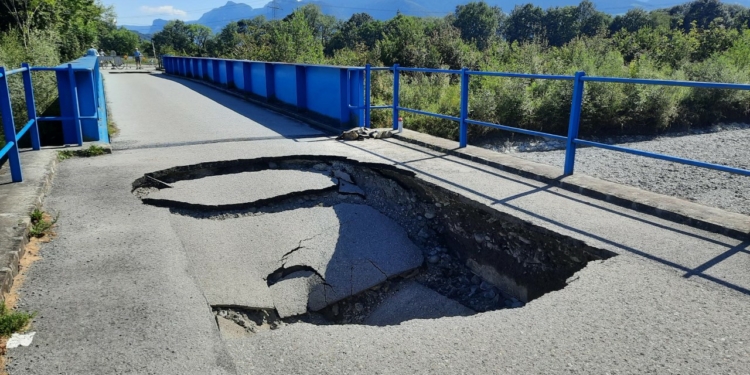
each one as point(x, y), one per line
point(712, 188)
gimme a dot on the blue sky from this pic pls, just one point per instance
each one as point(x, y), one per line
point(143, 12)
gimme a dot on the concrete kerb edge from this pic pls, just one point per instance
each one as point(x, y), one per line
point(327, 129)
point(19, 236)
point(669, 208)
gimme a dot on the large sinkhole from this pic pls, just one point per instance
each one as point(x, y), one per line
point(329, 240)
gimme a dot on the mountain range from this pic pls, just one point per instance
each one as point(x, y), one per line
point(219, 17)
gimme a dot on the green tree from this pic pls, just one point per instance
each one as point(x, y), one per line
point(590, 20)
point(322, 25)
point(560, 25)
point(360, 29)
point(524, 24)
point(121, 40)
point(174, 38)
point(76, 21)
point(446, 48)
point(78, 24)
point(404, 42)
point(26, 15)
point(478, 23)
point(293, 40)
point(715, 39)
point(702, 13)
point(633, 20)
point(199, 35)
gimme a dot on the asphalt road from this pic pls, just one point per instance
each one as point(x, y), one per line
point(116, 291)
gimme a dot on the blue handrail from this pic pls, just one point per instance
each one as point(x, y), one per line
point(31, 128)
point(523, 75)
point(571, 140)
point(661, 82)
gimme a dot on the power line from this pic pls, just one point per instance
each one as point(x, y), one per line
point(274, 7)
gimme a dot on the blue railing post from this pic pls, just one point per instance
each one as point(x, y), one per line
point(395, 96)
point(9, 127)
point(31, 107)
point(368, 95)
point(76, 108)
point(463, 127)
point(573, 125)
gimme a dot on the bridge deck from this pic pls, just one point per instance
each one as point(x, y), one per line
point(117, 292)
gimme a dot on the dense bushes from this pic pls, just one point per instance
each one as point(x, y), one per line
point(609, 108)
point(41, 50)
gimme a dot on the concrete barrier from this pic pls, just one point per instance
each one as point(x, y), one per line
point(327, 93)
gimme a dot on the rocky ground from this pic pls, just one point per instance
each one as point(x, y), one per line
point(727, 145)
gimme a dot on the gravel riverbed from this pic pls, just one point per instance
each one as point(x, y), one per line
point(728, 146)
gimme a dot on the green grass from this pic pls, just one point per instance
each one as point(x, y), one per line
point(112, 128)
point(93, 150)
point(39, 225)
point(37, 215)
point(64, 155)
point(13, 321)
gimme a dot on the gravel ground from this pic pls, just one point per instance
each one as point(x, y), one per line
point(712, 188)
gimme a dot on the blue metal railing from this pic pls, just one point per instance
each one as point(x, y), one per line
point(32, 126)
point(571, 140)
point(9, 126)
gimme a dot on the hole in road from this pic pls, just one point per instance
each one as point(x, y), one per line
point(329, 240)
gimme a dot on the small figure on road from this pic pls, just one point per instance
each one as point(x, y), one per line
point(137, 56)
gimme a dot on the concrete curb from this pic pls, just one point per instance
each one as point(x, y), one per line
point(666, 207)
point(13, 240)
point(328, 129)
point(18, 200)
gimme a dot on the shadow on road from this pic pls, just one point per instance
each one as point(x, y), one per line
point(262, 116)
point(743, 247)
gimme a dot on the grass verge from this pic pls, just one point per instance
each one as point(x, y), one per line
point(112, 128)
point(11, 320)
point(41, 223)
point(93, 150)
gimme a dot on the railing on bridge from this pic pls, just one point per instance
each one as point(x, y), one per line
point(82, 107)
point(571, 141)
point(324, 91)
point(344, 94)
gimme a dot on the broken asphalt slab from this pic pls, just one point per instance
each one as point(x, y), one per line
point(239, 189)
point(350, 247)
point(291, 294)
point(415, 301)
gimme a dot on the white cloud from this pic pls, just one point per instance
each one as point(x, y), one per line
point(164, 10)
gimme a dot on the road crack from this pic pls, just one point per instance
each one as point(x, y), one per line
point(378, 268)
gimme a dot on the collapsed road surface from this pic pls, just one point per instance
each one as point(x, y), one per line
point(157, 269)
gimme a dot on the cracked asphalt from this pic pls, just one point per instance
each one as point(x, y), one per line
point(119, 291)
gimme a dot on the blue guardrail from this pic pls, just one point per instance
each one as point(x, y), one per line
point(341, 94)
point(82, 106)
point(572, 140)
